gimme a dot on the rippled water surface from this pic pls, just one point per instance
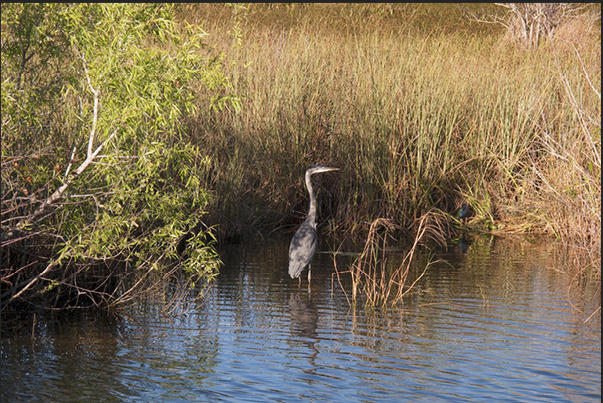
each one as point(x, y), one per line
point(496, 320)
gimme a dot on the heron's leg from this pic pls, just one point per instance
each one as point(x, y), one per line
point(309, 273)
point(299, 281)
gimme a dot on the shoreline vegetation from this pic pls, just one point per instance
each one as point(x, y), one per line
point(207, 115)
point(423, 107)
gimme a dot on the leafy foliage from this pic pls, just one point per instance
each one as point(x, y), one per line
point(106, 84)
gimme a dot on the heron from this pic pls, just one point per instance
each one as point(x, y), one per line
point(303, 244)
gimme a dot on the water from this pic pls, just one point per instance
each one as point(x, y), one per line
point(503, 321)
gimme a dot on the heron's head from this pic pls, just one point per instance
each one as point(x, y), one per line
point(316, 169)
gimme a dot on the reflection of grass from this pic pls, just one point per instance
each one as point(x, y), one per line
point(484, 297)
point(418, 113)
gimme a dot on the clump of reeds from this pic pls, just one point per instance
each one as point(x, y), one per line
point(372, 280)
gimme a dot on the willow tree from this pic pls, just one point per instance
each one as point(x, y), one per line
point(102, 194)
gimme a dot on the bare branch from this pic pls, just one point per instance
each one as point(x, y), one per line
point(30, 283)
point(529, 23)
point(95, 111)
point(70, 162)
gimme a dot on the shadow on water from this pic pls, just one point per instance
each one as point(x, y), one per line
point(496, 320)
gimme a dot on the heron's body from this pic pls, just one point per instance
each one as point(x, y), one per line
point(303, 244)
point(302, 248)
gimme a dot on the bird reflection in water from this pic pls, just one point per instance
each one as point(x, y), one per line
point(463, 245)
point(304, 321)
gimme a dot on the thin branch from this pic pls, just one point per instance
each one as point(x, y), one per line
point(95, 111)
point(31, 282)
point(70, 161)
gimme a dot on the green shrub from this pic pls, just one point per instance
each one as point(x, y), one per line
point(97, 173)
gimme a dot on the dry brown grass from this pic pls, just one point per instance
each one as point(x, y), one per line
point(373, 281)
point(419, 119)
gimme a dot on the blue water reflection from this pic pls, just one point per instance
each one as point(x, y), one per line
point(491, 323)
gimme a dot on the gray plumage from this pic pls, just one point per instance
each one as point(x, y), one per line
point(303, 244)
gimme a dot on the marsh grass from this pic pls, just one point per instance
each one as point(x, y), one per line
point(373, 281)
point(419, 114)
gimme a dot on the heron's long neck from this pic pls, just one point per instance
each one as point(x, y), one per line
point(312, 212)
